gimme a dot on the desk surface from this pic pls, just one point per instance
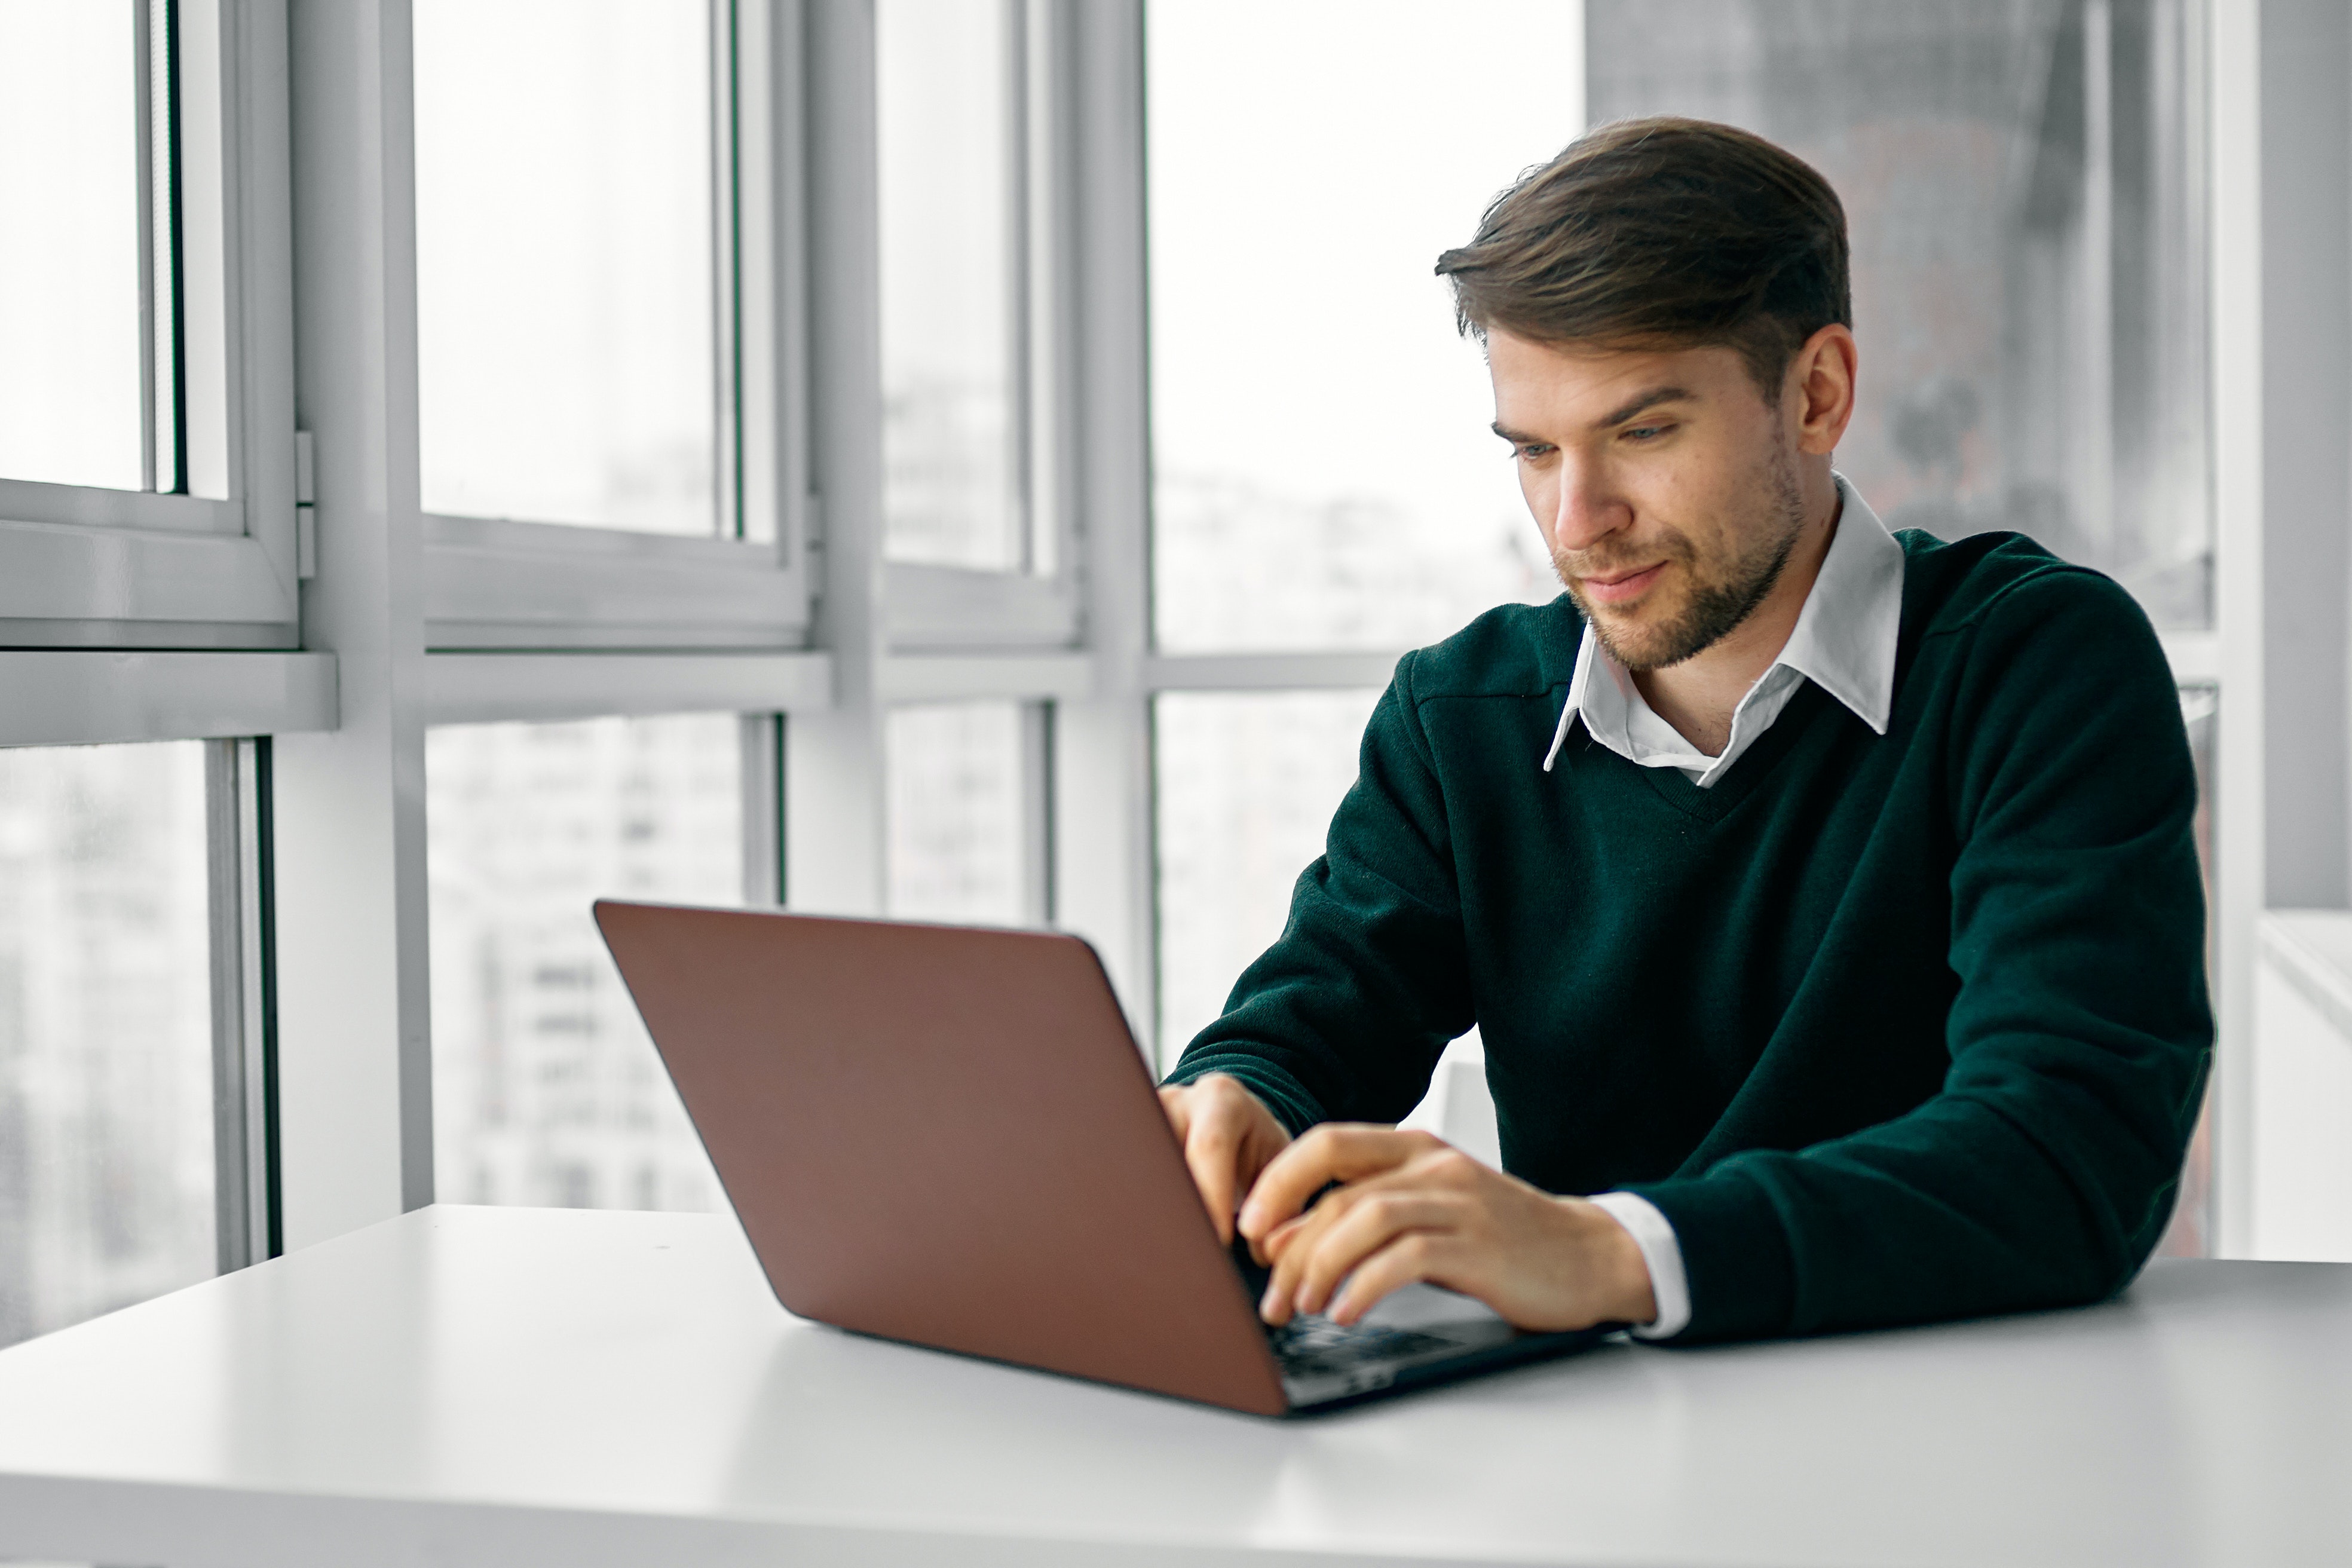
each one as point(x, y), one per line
point(486, 1386)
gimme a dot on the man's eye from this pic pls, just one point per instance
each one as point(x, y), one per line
point(1646, 431)
point(1531, 454)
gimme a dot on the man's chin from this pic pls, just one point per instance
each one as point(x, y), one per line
point(1641, 642)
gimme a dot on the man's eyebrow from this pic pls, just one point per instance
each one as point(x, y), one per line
point(1642, 403)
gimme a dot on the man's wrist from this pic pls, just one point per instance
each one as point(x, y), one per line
point(1627, 1295)
point(1662, 1254)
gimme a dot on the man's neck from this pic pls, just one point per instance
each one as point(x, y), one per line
point(1698, 696)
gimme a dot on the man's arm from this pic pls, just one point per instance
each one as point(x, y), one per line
point(1345, 1017)
point(2043, 1172)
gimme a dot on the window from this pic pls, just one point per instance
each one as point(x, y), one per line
point(1324, 476)
point(545, 1088)
point(146, 429)
point(959, 816)
point(972, 180)
point(568, 264)
point(610, 363)
point(950, 134)
point(106, 1050)
point(1247, 784)
point(75, 365)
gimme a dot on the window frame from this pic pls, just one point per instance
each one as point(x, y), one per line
point(84, 566)
point(1035, 602)
point(510, 583)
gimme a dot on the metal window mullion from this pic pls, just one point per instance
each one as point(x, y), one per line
point(171, 417)
point(1102, 762)
point(144, 65)
point(1052, 295)
point(236, 846)
point(1036, 805)
point(726, 273)
point(1019, 128)
point(762, 741)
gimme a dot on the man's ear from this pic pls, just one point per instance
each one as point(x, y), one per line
point(1821, 387)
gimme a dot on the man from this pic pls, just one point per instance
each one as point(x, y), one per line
point(1826, 900)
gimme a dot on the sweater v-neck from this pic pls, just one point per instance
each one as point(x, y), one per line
point(1713, 804)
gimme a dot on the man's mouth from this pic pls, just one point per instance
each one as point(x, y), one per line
point(1621, 587)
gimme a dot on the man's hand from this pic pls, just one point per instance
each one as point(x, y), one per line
point(1228, 1137)
point(1415, 1208)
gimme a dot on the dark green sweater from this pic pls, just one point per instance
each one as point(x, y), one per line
point(1890, 1027)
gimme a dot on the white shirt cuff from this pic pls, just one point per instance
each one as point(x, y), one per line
point(1654, 1234)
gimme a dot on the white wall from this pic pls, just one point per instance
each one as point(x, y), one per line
point(2302, 1089)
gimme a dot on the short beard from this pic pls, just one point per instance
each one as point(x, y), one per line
point(1716, 608)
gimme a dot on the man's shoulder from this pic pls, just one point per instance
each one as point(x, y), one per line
point(1954, 586)
point(2001, 613)
point(1512, 650)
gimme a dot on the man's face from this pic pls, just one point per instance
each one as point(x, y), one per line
point(1666, 486)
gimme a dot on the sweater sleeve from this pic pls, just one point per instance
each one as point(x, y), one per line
point(2043, 1172)
point(1345, 1016)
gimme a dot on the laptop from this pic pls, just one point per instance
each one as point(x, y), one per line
point(947, 1136)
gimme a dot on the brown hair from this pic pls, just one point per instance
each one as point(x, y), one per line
point(1661, 231)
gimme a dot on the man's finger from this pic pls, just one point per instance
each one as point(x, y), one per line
point(1409, 1259)
point(1212, 1151)
point(1362, 1230)
point(1335, 1152)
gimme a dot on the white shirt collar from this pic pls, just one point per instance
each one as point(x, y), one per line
point(1845, 643)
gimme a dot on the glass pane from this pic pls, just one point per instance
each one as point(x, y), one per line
point(2024, 187)
point(565, 271)
point(1247, 786)
point(545, 1088)
point(106, 1063)
point(956, 819)
point(950, 266)
point(1323, 471)
point(70, 402)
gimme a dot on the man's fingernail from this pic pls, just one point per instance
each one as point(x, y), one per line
point(1268, 1303)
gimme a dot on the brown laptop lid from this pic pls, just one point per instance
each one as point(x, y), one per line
point(945, 1136)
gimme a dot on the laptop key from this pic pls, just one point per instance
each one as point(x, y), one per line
point(1317, 1345)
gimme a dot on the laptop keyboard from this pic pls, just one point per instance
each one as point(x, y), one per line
point(1308, 1347)
point(1318, 1347)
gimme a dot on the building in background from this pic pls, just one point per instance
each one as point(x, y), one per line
point(546, 1089)
point(106, 1058)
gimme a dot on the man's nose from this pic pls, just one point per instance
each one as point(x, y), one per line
point(1584, 511)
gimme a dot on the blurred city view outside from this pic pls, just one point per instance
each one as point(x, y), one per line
point(546, 1090)
point(70, 355)
point(954, 813)
point(566, 275)
point(1323, 472)
point(949, 147)
point(106, 1060)
point(1248, 782)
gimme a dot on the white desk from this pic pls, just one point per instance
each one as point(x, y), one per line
point(533, 1386)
